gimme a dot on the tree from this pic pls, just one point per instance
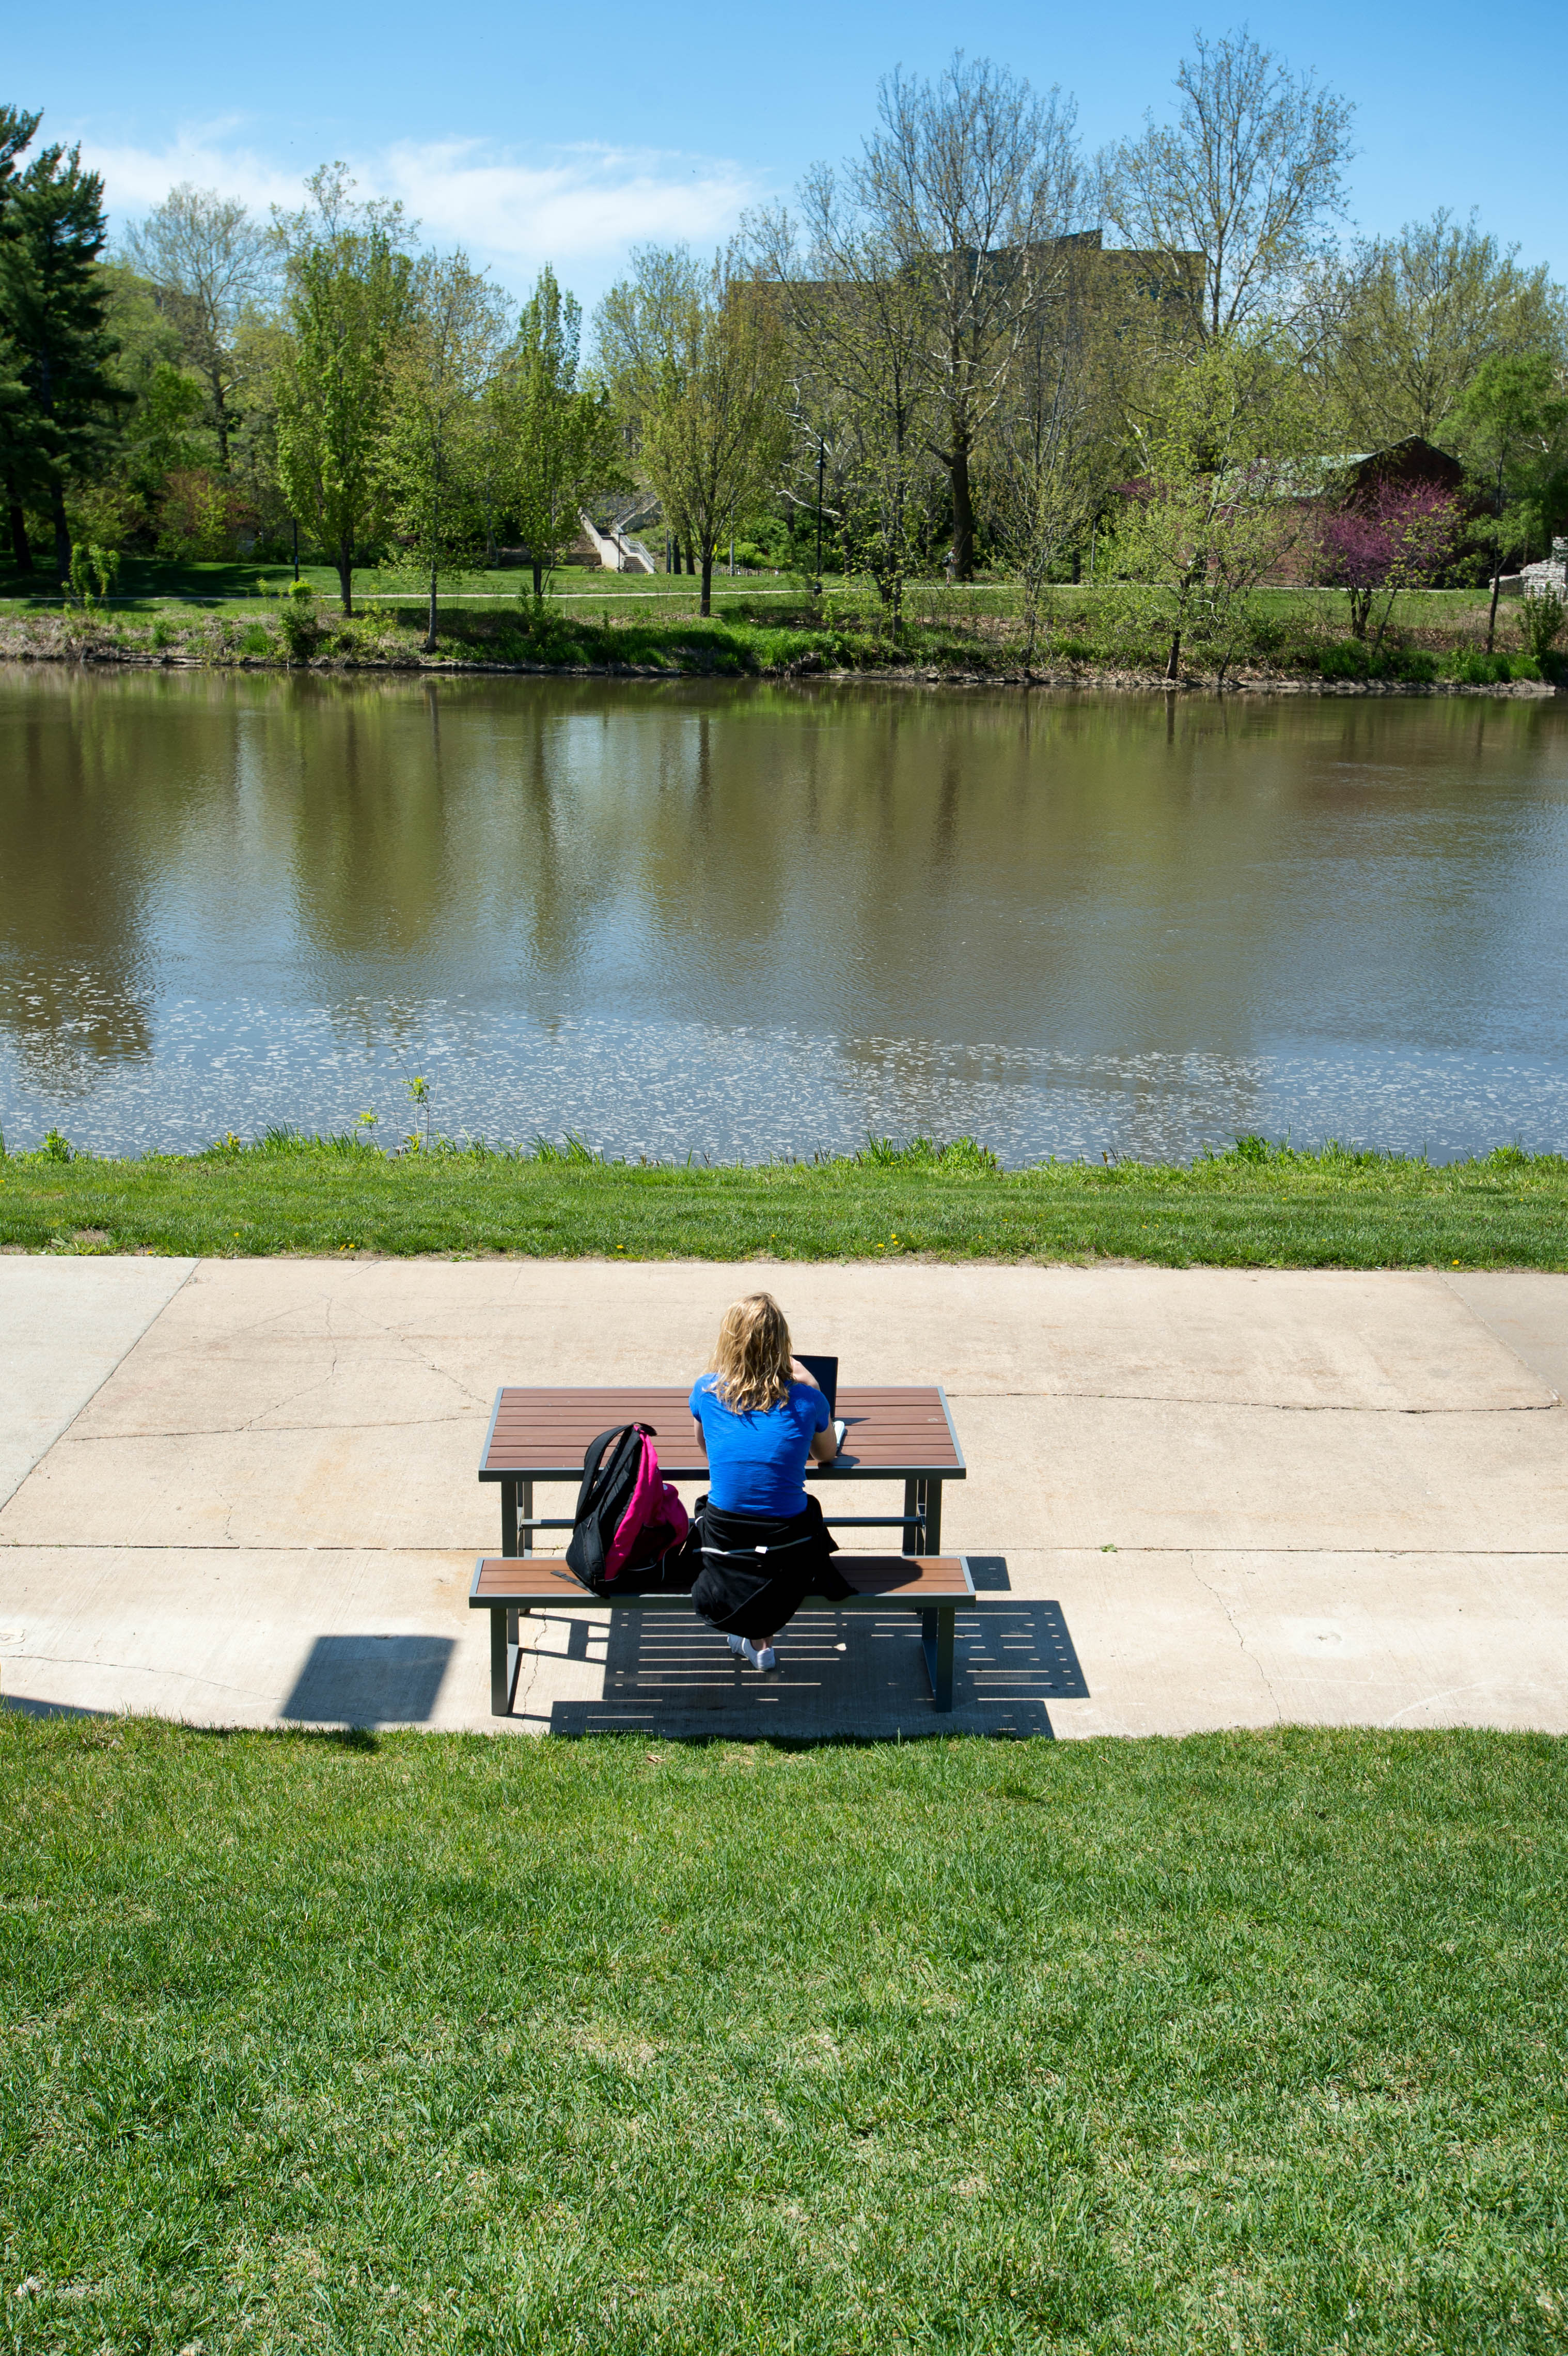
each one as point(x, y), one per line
point(348, 288)
point(210, 264)
point(1247, 177)
point(1049, 460)
point(1400, 537)
point(561, 446)
point(694, 359)
point(1403, 323)
point(52, 311)
point(1511, 423)
point(1211, 514)
point(442, 366)
point(17, 132)
point(973, 186)
point(856, 331)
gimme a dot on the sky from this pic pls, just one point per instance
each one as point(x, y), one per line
point(567, 135)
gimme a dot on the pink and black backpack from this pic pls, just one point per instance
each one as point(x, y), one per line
point(628, 1518)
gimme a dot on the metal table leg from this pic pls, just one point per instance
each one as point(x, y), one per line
point(932, 1489)
point(912, 1509)
point(936, 1642)
point(504, 1658)
point(508, 1517)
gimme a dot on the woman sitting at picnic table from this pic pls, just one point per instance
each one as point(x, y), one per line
point(764, 1545)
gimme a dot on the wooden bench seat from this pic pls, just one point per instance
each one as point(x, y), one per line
point(510, 1586)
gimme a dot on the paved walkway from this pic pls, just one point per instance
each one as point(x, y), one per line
point(243, 1492)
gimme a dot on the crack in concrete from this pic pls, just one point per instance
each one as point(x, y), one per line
point(234, 1430)
point(1242, 1643)
point(1553, 1405)
point(137, 1669)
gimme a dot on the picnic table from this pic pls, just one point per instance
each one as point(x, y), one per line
point(900, 1431)
point(893, 1432)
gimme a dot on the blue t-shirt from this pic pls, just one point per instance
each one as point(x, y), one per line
point(756, 1462)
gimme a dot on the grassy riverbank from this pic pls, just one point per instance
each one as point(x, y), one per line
point(1256, 1207)
point(222, 615)
point(432, 2043)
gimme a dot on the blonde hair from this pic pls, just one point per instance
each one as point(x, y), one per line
point(752, 1359)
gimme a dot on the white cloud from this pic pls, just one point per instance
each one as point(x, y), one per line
point(581, 206)
point(135, 178)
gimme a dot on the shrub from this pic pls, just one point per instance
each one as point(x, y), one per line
point(255, 640)
point(1413, 663)
point(1479, 669)
point(297, 620)
point(1541, 621)
point(1347, 659)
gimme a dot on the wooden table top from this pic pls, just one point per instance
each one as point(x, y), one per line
point(895, 1432)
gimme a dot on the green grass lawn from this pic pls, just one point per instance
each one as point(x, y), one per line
point(1256, 1207)
point(430, 2043)
point(145, 582)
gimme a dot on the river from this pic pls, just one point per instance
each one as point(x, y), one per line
point(743, 920)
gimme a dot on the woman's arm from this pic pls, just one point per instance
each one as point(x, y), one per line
point(824, 1444)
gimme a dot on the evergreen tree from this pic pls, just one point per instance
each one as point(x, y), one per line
point(17, 130)
point(52, 309)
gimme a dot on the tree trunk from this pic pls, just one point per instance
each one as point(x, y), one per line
point(429, 633)
point(705, 605)
point(1492, 615)
point(222, 416)
point(674, 554)
point(21, 548)
point(539, 579)
point(346, 574)
point(962, 510)
point(62, 530)
point(1173, 667)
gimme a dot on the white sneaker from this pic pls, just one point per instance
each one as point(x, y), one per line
point(737, 1646)
point(766, 1659)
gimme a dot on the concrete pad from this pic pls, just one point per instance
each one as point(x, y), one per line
point(300, 1344)
point(66, 1323)
point(1527, 1312)
point(1335, 1497)
point(1182, 1644)
point(1091, 1473)
point(249, 1638)
point(237, 1638)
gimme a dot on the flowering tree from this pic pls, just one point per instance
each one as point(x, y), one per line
point(1402, 537)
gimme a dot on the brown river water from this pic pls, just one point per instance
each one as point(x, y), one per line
point(739, 920)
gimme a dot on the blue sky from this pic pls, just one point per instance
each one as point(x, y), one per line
point(566, 134)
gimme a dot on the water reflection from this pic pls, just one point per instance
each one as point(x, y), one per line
point(755, 919)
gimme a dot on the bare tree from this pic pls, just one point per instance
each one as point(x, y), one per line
point(211, 265)
point(1247, 177)
point(971, 184)
point(858, 327)
point(1050, 452)
point(695, 360)
point(1403, 324)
